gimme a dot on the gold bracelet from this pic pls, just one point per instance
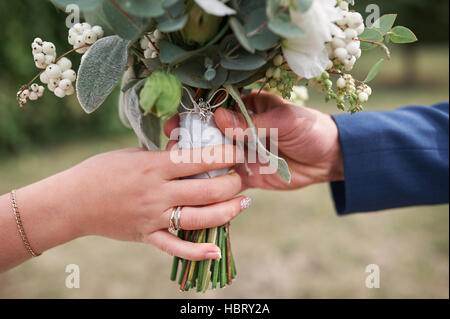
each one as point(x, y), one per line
point(20, 225)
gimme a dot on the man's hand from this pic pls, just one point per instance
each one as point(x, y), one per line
point(307, 139)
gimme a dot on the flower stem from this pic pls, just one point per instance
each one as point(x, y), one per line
point(228, 250)
point(212, 233)
point(223, 270)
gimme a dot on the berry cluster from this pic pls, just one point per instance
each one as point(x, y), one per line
point(150, 44)
point(83, 35)
point(33, 93)
point(44, 53)
point(299, 95)
point(59, 77)
point(344, 50)
point(280, 78)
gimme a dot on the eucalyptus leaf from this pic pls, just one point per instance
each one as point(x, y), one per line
point(370, 34)
point(121, 25)
point(97, 17)
point(244, 61)
point(241, 35)
point(82, 4)
point(272, 8)
point(238, 76)
point(142, 8)
point(401, 34)
point(303, 5)
point(100, 71)
point(283, 27)
point(262, 39)
point(274, 161)
point(172, 25)
point(385, 23)
point(192, 73)
point(171, 53)
point(136, 119)
point(374, 71)
point(161, 94)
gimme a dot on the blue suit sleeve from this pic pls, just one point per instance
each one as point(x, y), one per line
point(393, 159)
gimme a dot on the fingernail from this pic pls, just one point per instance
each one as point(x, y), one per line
point(245, 203)
point(215, 255)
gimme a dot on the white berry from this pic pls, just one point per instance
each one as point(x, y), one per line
point(338, 43)
point(39, 58)
point(38, 41)
point(70, 90)
point(49, 59)
point(65, 84)
point(82, 50)
point(33, 96)
point(353, 47)
point(59, 92)
point(44, 77)
point(65, 64)
point(363, 97)
point(89, 37)
point(78, 27)
point(98, 31)
point(355, 20)
point(341, 83)
point(25, 94)
point(341, 53)
point(86, 26)
point(69, 75)
point(368, 90)
point(41, 90)
point(34, 87)
point(53, 71)
point(350, 34)
point(360, 29)
point(48, 48)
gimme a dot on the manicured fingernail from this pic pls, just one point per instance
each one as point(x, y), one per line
point(213, 255)
point(245, 203)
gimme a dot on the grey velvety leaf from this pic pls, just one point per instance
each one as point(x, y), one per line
point(276, 162)
point(136, 119)
point(100, 71)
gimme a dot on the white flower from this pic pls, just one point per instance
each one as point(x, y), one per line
point(308, 56)
point(215, 7)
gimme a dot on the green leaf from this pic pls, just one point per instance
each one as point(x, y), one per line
point(172, 25)
point(370, 34)
point(241, 35)
point(97, 17)
point(82, 4)
point(142, 8)
point(192, 73)
point(274, 161)
point(244, 61)
point(264, 39)
point(303, 5)
point(136, 118)
point(170, 53)
point(161, 94)
point(238, 76)
point(272, 8)
point(121, 25)
point(100, 71)
point(402, 35)
point(385, 23)
point(283, 27)
point(374, 71)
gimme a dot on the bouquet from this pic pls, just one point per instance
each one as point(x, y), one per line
point(192, 56)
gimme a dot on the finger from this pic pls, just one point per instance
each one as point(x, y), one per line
point(215, 215)
point(188, 162)
point(177, 247)
point(171, 124)
point(172, 145)
point(262, 101)
point(204, 191)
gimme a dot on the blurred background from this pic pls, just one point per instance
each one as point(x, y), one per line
point(287, 245)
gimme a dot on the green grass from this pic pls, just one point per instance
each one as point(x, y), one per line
point(287, 245)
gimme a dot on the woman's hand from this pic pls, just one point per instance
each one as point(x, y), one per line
point(127, 195)
point(307, 139)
